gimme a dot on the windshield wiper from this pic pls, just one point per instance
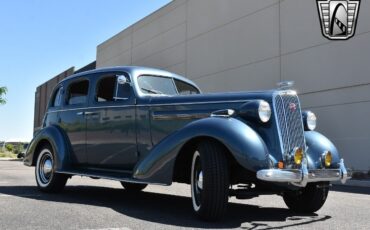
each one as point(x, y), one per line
point(152, 91)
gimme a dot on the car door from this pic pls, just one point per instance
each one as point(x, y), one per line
point(72, 119)
point(111, 128)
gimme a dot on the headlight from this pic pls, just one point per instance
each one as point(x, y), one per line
point(256, 110)
point(264, 111)
point(309, 119)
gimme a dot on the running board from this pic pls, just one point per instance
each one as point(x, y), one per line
point(116, 176)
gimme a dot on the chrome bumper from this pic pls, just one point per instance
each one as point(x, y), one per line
point(300, 177)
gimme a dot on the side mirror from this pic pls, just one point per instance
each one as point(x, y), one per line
point(123, 88)
point(121, 79)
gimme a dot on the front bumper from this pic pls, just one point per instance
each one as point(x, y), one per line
point(300, 177)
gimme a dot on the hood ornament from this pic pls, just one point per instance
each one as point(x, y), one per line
point(284, 85)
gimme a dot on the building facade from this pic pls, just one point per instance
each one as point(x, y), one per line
point(239, 45)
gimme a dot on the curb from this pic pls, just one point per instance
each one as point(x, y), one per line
point(10, 159)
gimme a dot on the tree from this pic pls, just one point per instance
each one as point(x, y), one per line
point(3, 91)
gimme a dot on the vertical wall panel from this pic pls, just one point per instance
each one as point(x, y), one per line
point(252, 44)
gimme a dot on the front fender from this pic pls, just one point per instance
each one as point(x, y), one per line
point(317, 144)
point(243, 142)
point(58, 141)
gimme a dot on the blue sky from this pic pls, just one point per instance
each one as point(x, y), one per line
point(41, 38)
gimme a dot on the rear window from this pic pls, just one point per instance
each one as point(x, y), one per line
point(78, 92)
point(56, 100)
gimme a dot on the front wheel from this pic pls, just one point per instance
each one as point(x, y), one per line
point(209, 181)
point(308, 200)
point(46, 178)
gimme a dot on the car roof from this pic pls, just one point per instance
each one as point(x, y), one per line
point(134, 71)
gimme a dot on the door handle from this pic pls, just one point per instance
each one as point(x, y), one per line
point(90, 113)
point(86, 113)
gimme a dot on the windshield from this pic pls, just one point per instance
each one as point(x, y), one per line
point(161, 85)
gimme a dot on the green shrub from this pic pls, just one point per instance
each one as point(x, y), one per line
point(9, 147)
point(17, 148)
point(7, 155)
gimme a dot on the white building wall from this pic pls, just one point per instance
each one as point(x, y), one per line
point(239, 45)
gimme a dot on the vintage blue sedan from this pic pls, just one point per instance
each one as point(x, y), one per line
point(144, 126)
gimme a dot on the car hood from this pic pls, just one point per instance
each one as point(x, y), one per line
point(210, 97)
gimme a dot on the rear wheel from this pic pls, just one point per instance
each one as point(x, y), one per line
point(308, 200)
point(46, 178)
point(133, 187)
point(209, 181)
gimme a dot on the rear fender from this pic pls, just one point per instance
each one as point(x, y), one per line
point(58, 141)
point(243, 142)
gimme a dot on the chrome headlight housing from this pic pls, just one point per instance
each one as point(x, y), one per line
point(264, 111)
point(309, 120)
point(256, 110)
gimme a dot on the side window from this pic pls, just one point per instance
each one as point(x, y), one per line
point(57, 98)
point(77, 92)
point(185, 88)
point(107, 90)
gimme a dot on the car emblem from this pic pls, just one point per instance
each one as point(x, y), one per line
point(338, 18)
point(292, 107)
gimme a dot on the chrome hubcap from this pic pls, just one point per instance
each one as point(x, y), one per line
point(196, 181)
point(200, 180)
point(45, 168)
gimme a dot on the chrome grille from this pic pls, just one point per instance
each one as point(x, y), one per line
point(289, 121)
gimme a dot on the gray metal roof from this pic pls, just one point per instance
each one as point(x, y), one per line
point(134, 71)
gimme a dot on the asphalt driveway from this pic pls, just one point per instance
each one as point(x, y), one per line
point(100, 204)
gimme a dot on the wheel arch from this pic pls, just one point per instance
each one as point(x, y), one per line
point(318, 144)
point(40, 145)
point(57, 140)
point(182, 166)
point(241, 141)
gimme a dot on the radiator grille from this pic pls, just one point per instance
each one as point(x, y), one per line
point(289, 121)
